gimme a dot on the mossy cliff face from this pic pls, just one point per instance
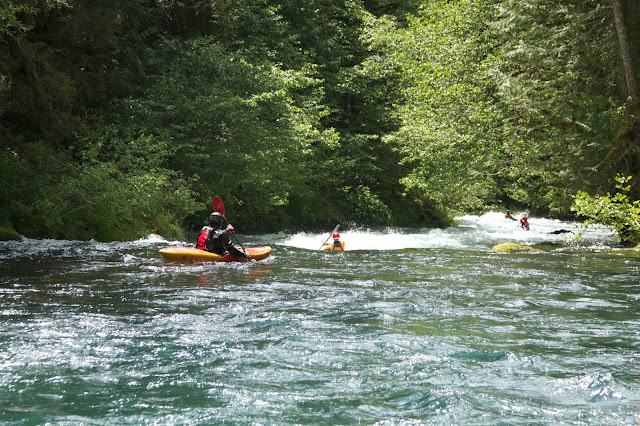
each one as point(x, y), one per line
point(514, 248)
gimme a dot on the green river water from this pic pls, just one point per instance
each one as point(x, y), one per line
point(405, 327)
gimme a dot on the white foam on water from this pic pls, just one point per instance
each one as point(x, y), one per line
point(473, 232)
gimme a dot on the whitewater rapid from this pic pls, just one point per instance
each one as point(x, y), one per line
point(472, 233)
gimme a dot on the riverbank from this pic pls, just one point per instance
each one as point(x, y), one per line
point(9, 234)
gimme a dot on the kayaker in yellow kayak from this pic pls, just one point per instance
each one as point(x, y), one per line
point(216, 240)
point(336, 245)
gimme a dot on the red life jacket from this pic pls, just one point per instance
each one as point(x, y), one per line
point(202, 239)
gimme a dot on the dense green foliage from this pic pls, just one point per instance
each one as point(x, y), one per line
point(124, 117)
point(506, 101)
point(616, 211)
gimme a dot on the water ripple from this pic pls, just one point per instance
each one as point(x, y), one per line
point(110, 334)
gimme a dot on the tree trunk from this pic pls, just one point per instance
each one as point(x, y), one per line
point(625, 50)
point(625, 155)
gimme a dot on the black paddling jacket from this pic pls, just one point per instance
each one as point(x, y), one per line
point(217, 241)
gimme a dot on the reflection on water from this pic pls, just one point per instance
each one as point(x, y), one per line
point(420, 327)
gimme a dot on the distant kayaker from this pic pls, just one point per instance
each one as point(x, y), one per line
point(337, 244)
point(216, 240)
point(508, 215)
point(524, 223)
point(336, 240)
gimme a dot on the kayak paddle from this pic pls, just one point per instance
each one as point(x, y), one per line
point(218, 206)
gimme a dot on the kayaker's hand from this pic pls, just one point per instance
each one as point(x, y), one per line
point(230, 229)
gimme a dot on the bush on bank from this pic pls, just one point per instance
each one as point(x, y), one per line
point(617, 211)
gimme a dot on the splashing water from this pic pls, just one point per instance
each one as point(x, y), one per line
point(472, 233)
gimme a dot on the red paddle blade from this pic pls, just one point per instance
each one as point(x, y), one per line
point(218, 206)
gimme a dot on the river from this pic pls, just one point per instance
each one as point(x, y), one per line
point(404, 327)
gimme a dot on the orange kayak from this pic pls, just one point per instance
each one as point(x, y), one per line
point(191, 254)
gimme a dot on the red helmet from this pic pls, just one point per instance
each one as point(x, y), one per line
point(336, 236)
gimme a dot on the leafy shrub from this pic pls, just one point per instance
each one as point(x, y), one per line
point(616, 211)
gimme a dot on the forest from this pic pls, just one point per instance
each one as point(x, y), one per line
point(120, 118)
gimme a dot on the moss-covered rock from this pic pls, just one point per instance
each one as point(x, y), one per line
point(514, 248)
point(9, 234)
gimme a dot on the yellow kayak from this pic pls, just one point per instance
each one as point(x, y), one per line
point(332, 247)
point(191, 254)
